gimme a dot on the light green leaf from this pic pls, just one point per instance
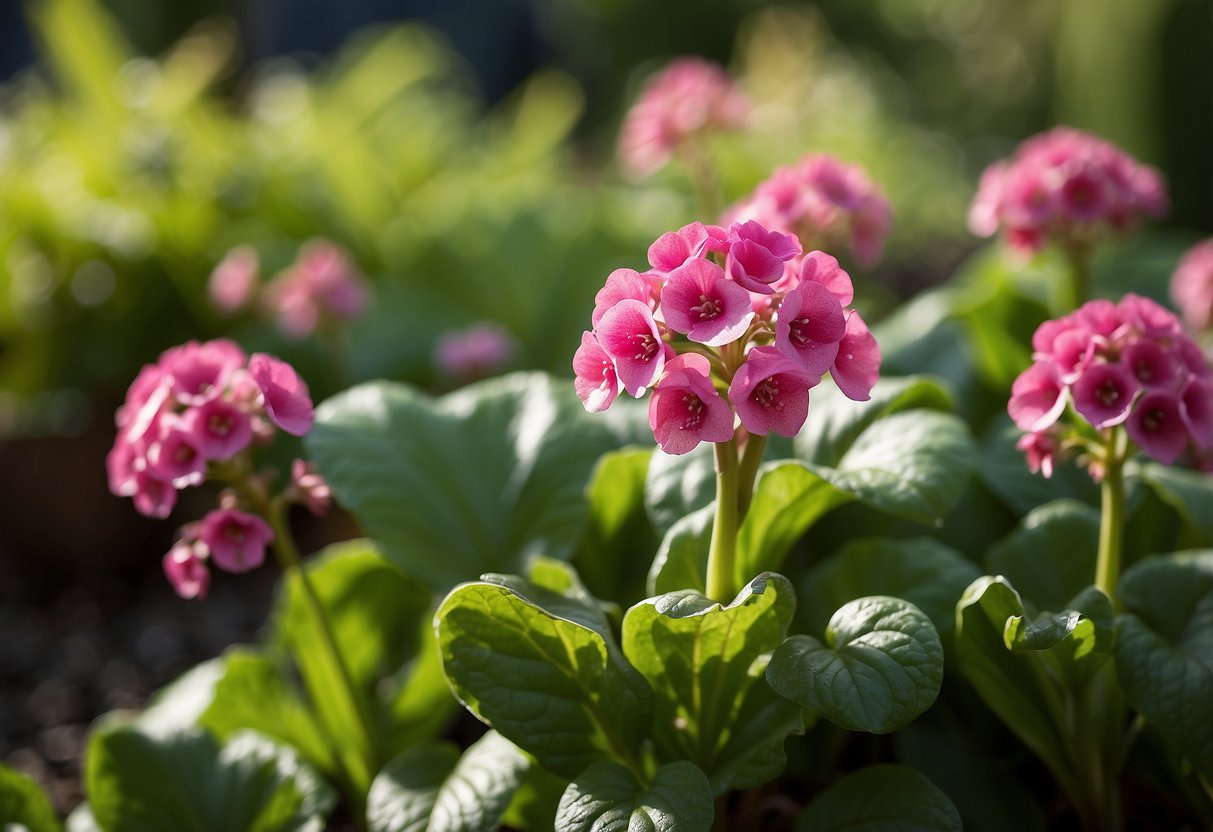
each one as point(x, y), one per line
point(883, 798)
point(1164, 649)
point(921, 570)
point(1050, 557)
point(705, 664)
point(617, 548)
point(682, 558)
point(139, 783)
point(1081, 636)
point(1189, 492)
point(24, 805)
point(678, 485)
point(433, 481)
point(433, 788)
point(544, 671)
point(606, 797)
point(881, 665)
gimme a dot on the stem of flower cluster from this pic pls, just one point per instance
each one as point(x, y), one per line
point(751, 458)
point(707, 183)
point(722, 552)
point(288, 557)
point(1112, 513)
point(1079, 259)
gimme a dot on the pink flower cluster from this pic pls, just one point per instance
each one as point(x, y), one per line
point(475, 352)
point(1192, 286)
point(202, 404)
point(688, 99)
point(740, 310)
point(1067, 186)
point(322, 286)
point(1127, 363)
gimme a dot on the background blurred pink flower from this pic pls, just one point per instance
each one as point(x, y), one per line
point(1192, 286)
point(478, 351)
point(322, 285)
point(234, 281)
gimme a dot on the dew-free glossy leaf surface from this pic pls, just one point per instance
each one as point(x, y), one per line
point(473, 482)
point(607, 798)
point(705, 664)
point(883, 798)
point(23, 804)
point(880, 666)
point(1050, 556)
point(682, 558)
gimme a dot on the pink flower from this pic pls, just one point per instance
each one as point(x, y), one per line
point(596, 382)
point(186, 570)
point(691, 242)
point(857, 366)
point(199, 372)
point(756, 255)
point(622, 284)
point(286, 398)
point(819, 267)
point(1041, 450)
point(702, 304)
point(1149, 318)
point(689, 99)
point(475, 352)
point(153, 497)
point(770, 393)
point(685, 408)
point(1196, 408)
point(629, 335)
point(1157, 426)
point(176, 456)
point(322, 285)
point(1038, 398)
point(1151, 364)
point(1104, 393)
point(232, 283)
point(220, 428)
point(310, 488)
point(809, 328)
point(235, 540)
point(984, 213)
point(1192, 285)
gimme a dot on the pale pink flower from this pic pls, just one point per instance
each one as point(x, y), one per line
point(1038, 398)
point(285, 394)
point(1192, 286)
point(185, 569)
point(200, 371)
point(233, 282)
point(689, 99)
point(770, 393)
point(685, 408)
point(629, 335)
point(475, 352)
point(309, 488)
point(322, 285)
point(702, 304)
point(1041, 450)
point(596, 381)
point(236, 541)
point(153, 497)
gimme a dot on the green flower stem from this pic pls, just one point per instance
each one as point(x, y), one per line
point(705, 179)
point(1079, 259)
point(1112, 513)
point(724, 531)
point(751, 458)
point(288, 557)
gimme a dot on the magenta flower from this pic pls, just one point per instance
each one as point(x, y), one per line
point(1157, 426)
point(153, 497)
point(1192, 286)
point(1041, 450)
point(621, 284)
point(236, 541)
point(233, 282)
point(286, 398)
point(200, 371)
point(819, 267)
point(857, 366)
point(702, 304)
point(176, 457)
point(596, 382)
point(756, 255)
point(220, 428)
point(809, 328)
point(1104, 393)
point(685, 408)
point(310, 488)
point(691, 242)
point(1038, 398)
point(770, 393)
point(629, 335)
point(1151, 364)
point(186, 570)
point(687, 100)
point(475, 352)
point(1196, 408)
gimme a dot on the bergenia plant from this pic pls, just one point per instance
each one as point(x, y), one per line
point(1070, 189)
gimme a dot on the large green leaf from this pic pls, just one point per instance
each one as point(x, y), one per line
point(923, 571)
point(1027, 671)
point(883, 798)
point(678, 485)
point(1050, 557)
point(433, 788)
point(606, 797)
point(473, 482)
point(23, 805)
point(1164, 649)
point(682, 557)
point(881, 665)
point(543, 669)
point(140, 783)
point(1189, 492)
point(705, 664)
point(1004, 470)
point(913, 464)
point(616, 551)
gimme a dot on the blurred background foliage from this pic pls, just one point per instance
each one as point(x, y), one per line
point(466, 158)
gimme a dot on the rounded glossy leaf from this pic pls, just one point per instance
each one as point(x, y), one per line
point(606, 797)
point(884, 798)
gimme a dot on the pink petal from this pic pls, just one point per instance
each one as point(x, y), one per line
point(596, 383)
point(285, 394)
point(857, 367)
point(629, 335)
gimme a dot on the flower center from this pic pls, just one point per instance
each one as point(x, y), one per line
point(1153, 420)
point(694, 407)
point(184, 453)
point(219, 424)
point(708, 308)
point(1107, 393)
point(796, 332)
point(767, 394)
point(1143, 370)
point(235, 534)
point(646, 345)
